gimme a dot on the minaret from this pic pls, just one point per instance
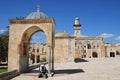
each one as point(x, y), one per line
point(77, 27)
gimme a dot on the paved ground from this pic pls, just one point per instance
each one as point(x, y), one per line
point(88, 69)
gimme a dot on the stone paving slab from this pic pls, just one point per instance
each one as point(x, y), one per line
point(93, 69)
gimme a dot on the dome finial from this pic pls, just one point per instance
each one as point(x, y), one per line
point(38, 8)
point(37, 14)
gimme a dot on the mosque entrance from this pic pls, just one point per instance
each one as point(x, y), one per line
point(112, 54)
point(94, 54)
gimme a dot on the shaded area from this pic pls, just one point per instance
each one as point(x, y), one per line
point(69, 71)
point(34, 71)
point(80, 60)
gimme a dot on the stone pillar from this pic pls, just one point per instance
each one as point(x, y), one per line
point(24, 60)
point(115, 53)
point(35, 58)
point(52, 59)
point(99, 55)
point(49, 59)
point(30, 62)
point(91, 54)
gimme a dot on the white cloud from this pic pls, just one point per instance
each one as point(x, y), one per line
point(118, 38)
point(83, 35)
point(106, 35)
point(2, 31)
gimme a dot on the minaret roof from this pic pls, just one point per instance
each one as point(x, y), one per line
point(77, 21)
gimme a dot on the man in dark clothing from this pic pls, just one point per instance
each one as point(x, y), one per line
point(43, 71)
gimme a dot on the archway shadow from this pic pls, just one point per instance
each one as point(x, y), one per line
point(68, 71)
point(80, 60)
point(34, 71)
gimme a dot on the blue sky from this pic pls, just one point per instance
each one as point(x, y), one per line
point(97, 17)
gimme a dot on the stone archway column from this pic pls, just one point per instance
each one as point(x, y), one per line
point(49, 59)
point(100, 55)
point(52, 59)
point(35, 58)
point(115, 54)
point(30, 62)
point(91, 53)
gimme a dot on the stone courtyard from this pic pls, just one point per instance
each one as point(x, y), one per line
point(87, 69)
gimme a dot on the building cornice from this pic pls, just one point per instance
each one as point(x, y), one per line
point(32, 21)
point(89, 38)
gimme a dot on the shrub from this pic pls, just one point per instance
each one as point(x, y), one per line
point(43, 59)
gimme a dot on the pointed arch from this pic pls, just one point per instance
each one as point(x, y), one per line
point(87, 44)
point(28, 33)
point(95, 44)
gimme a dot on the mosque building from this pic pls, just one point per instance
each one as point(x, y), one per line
point(69, 48)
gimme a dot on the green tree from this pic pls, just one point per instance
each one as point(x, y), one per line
point(4, 38)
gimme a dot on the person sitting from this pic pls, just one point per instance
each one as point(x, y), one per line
point(43, 71)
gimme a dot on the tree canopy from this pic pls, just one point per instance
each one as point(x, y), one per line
point(4, 38)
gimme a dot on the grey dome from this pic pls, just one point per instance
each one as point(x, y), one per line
point(62, 34)
point(36, 15)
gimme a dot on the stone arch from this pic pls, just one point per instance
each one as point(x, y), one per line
point(32, 58)
point(94, 54)
point(95, 44)
point(32, 30)
point(38, 58)
point(20, 35)
point(87, 44)
point(38, 50)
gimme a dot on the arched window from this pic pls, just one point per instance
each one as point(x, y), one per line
point(95, 44)
point(32, 58)
point(37, 50)
point(33, 50)
point(38, 59)
point(88, 45)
